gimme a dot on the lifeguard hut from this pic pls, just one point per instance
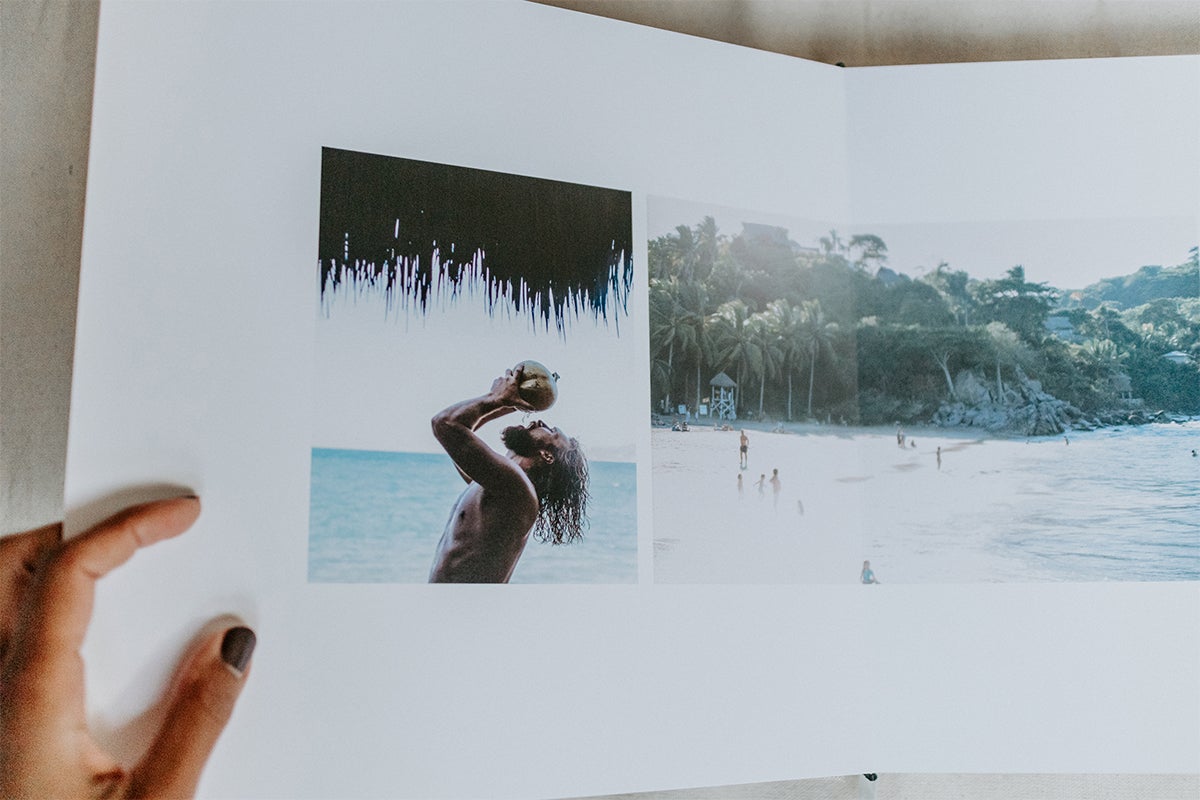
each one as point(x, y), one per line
point(724, 396)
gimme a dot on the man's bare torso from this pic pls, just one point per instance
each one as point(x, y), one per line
point(491, 520)
point(485, 535)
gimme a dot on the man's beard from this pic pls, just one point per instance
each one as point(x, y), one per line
point(518, 439)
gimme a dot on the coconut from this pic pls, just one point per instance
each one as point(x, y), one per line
point(537, 385)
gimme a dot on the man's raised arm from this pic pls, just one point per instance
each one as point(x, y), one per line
point(454, 427)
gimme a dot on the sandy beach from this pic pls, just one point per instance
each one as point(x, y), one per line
point(1107, 505)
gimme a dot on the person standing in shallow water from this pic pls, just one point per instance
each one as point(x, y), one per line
point(540, 485)
point(776, 486)
point(744, 450)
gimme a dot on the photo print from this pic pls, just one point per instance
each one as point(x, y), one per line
point(472, 404)
point(1009, 401)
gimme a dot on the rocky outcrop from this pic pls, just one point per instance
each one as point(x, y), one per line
point(1136, 416)
point(1022, 407)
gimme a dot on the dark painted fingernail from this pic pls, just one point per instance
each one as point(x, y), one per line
point(237, 647)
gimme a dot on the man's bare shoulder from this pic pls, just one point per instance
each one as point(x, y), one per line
point(509, 485)
point(481, 464)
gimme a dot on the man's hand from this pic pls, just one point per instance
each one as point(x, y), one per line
point(47, 587)
point(506, 391)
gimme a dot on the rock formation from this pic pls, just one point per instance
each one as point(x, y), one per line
point(1023, 407)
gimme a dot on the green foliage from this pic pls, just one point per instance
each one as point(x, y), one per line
point(1148, 284)
point(1019, 304)
point(832, 332)
point(870, 249)
point(838, 286)
point(954, 288)
point(1167, 324)
point(787, 320)
point(818, 336)
point(736, 346)
point(1164, 384)
point(904, 301)
point(913, 364)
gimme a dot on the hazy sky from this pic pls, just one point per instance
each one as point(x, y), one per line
point(1078, 170)
point(1067, 254)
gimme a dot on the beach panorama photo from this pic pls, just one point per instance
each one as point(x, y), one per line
point(961, 402)
point(470, 383)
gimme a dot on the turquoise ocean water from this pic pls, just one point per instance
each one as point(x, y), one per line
point(1115, 504)
point(376, 517)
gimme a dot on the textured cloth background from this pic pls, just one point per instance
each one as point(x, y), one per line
point(861, 33)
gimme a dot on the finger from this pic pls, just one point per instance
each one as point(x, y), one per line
point(65, 605)
point(20, 555)
point(205, 690)
point(52, 627)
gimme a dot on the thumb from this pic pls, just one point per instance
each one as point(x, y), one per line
point(203, 695)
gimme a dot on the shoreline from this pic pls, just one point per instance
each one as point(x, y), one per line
point(926, 429)
point(952, 505)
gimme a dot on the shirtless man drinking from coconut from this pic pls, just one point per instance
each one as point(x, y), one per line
point(540, 485)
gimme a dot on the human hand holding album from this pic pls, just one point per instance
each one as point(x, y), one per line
point(47, 589)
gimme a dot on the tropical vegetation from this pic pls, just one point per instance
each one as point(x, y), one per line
point(830, 332)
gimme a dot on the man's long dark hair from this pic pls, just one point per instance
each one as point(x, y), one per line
point(562, 490)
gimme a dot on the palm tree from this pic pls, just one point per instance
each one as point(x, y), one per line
point(817, 335)
point(708, 246)
point(659, 373)
point(734, 340)
point(766, 338)
point(787, 320)
point(694, 299)
point(684, 255)
point(1104, 353)
point(833, 244)
point(671, 326)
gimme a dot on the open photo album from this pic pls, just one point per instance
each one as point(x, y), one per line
point(581, 408)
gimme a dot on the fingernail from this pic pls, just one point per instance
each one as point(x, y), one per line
point(237, 647)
